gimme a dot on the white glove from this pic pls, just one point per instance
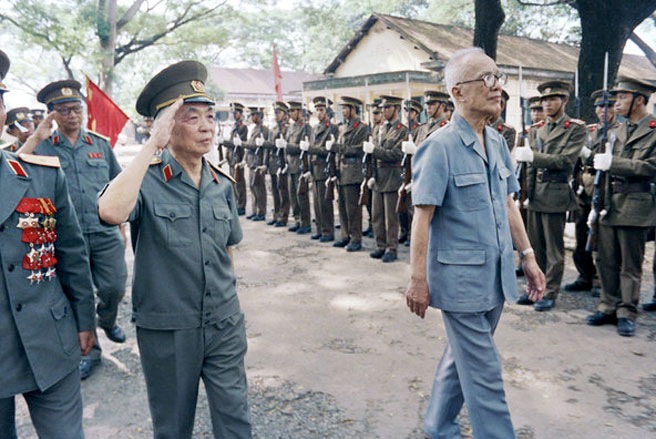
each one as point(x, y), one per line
point(281, 143)
point(241, 164)
point(526, 203)
point(518, 204)
point(524, 154)
point(306, 175)
point(371, 183)
point(585, 152)
point(262, 168)
point(408, 146)
point(368, 146)
point(259, 141)
point(237, 141)
point(408, 187)
point(304, 144)
point(602, 162)
point(226, 135)
point(330, 142)
point(592, 218)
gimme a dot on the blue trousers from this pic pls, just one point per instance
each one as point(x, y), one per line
point(469, 372)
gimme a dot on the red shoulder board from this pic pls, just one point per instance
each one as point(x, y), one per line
point(567, 124)
point(55, 140)
point(592, 128)
point(17, 168)
point(357, 124)
point(652, 124)
point(443, 123)
point(95, 155)
point(500, 127)
point(87, 138)
point(168, 173)
point(327, 124)
point(541, 124)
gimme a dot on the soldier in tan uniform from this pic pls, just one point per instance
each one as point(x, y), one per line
point(507, 131)
point(630, 209)
point(19, 125)
point(300, 202)
point(375, 129)
point(323, 132)
point(413, 109)
point(236, 155)
point(255, 159)
point(551, 163)
point(436, 104)
point(274, 158)
point(387, 153)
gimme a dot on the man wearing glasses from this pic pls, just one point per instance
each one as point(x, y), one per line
point(558, 144)
point(465, 224)
point(89, 164)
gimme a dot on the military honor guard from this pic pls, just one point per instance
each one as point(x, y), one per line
point(551, 163)
point(298, 131)
point(323, 132)
point(37, 116)
point(630, 209)
point(184, 220)
point(236, 155)
point(353, 135)
point(46, 294)
point(436, 103)
point(89, 163)
point(276, 164)
point(507, 131)
point(387, 153)
point(19, 125)
point(413, 109)
point(256, 164)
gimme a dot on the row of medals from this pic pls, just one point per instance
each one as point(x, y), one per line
point(40, 261)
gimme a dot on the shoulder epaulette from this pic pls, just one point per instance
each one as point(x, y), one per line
point(221, 171)
point(577, 121)
point(98, 135)
point(156, 160)
point(51, 161)
point(9, 147)
point(592, 127)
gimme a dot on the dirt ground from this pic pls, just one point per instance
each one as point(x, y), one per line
point(334, 353)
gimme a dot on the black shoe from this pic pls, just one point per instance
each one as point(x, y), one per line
point(258, 218)
point(241, 211)
point(519, 271)
point(403, 238)
point(370, 233)
point(87, 366)
point(272, 222)
point(389, 256)
point(115, 334)
point(251, 216)
point(524, 300)
point(354, 247)
point(599, 318)
point(327, 238)
point(377, 254)
point(316, 236)
point(280, 224)
point(544, 304)
point(651, 306)
point(303, 230)
point(625, 327)
point(294, 228)
point(578, 285)
point(342, 243)
point(596, 291)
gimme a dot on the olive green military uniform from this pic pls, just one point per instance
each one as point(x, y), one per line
point(235, 158)
point(324, 213)
point(388, 155)
point(556, 150)
point(279, 183)
point(507, 131)
point(429, 128)
point(257, 179)
point(300, 202)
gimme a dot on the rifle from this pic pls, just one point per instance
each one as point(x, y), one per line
point(258, 176)
point(365, 191)
point(521, 171)
point(599, 194)
point(578, 166)
point(402, 201)
point(305, 172)
point(331, 165)
point(239, 157)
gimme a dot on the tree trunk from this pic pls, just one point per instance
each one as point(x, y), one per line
point(106, 29)
point(489, 18)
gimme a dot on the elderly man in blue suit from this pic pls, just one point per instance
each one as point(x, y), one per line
point(463, 231)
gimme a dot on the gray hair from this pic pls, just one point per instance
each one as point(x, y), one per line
point(455, 68)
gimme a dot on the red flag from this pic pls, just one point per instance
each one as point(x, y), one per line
point(277, 75)
point(105, 117)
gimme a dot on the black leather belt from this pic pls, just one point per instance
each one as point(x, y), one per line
point(626, 186)
point(381, 164)
point(546, 176)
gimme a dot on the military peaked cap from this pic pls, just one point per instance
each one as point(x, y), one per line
point(236, 106)
point(295, 105)
point(255, 110)
point(58, 92)
point(18, 115)
point(555, 88)
point(450, 106)
point(321, 101)
point(414, 105)
point(632, 85)
point(280, 106)
point(4, 68)
point(184, 80)
point(353, 102)
point(433, 97)
point(387, 100)
point(37, 112)
point(535, 102)
point(598, 97)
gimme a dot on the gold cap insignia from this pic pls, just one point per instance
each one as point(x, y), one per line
point(198, 86)
point(547, 90)
point(67, 91)
point(20, 116)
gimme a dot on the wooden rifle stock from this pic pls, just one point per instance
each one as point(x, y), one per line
point(365, 192)
point(332, 175)
point(402, 201)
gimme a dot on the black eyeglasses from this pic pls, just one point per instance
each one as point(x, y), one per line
point(488, 79)
point(65, 111)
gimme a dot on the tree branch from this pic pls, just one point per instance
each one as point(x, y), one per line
point(129, 14)
point(646, 48)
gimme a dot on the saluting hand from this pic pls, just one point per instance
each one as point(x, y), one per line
point(163, 126)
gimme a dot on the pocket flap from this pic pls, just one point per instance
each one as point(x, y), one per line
point(461, 257)
point(504, 172)
point(172, 211)
point(221, 213)
point(59, 311)
point(469, 179)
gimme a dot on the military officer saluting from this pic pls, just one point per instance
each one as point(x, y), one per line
point(436, 103)
point(19, 125)
point(507, 131)
point(630, 208)
point(552, 158)
point(46, 296)
point(387, 153)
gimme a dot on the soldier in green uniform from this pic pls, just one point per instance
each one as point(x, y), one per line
point(19, 125)
point(275, 162)
point(300, 202)
point(507, 131)
point(183, 215)
point(375, 130)
point(89, 163)
point(436, 103)
point(387, 153)
point(551, 163)
point(630, 209)
point(255, 159)
point(450, 108)
point(585, 187)
point(351, 138)
point(323, 132)
point(413, 109)
point(236, 154)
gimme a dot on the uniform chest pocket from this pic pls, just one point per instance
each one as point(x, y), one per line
point(174, 222)
point(222, 228)
point(471, 191)
point(98, 170)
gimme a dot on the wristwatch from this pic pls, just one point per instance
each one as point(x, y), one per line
point(527, 251)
